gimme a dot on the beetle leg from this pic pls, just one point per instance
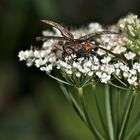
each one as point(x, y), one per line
point(45, 38)
point(95, 34)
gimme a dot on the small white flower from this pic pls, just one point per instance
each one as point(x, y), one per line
point(48, 43)
point(29, 53)
point(44, 53)
point(129, 55)
point(99, 74)
point(39, 62)
point(119, 49)
point(133, 71)
point(117, 71)
point(96, 60)
point(107, 68)
point(117, 65)
point(95, 67)
point(101, 52)
point(110, 69)
point(125, 74)
point(52, 59)
point(133, 81)
point(21, 55)
point(136, 66)
point(37, 54)
point(88, 64)
point(69, 66)
point(90, 73)
point(83, 70)
point(94, 27)
point(78, 74)
point(68, 71)
point(103, 67)
point(75, 64)
point(43, 68)
point(106, 59)
point(63, 64)
point(105, 78)
point(81, 59)
point(47, 68)
point(106, 39)
point(122, 25)
point(124, 68)
point(58, 67)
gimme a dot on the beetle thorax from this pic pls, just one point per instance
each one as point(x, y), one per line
point(80, 49)
point(72, 47)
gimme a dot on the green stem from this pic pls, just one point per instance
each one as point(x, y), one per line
point(109, 113)
point(127, 115)
point(90, 122)
point(120, 81)
point(73, 102)
point(115, 101)
point(59, 80)
point(118, 86)
point(134, 133)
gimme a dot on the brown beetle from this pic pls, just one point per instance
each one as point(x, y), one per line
point(81, 47)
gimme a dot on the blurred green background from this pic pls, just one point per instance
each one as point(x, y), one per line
point(32, 107)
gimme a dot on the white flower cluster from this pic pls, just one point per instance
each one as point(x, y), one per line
point(121, 64)
point(130, 27)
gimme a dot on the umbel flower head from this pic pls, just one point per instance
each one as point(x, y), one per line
point(115, 57)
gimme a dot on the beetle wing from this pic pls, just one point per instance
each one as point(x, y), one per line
point(64, 32)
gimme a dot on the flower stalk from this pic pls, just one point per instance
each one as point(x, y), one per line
point(89, 121)
point(109, 113)
point(73, 102)
point(127, 114)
